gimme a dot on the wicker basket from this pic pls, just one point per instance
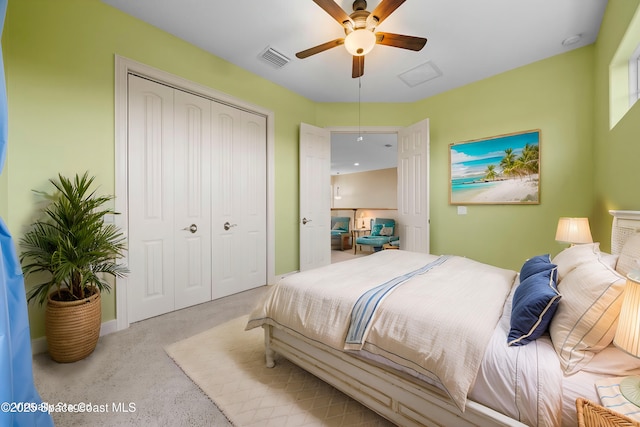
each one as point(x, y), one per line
point(73, 328)
point(593, 415)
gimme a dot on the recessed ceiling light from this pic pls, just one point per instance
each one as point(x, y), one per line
point(356, 164)
point(571, 40)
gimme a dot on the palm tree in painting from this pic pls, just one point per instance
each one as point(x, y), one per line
point(491, 173)
point(530, 158)
point(508, 162)
point(527, 163)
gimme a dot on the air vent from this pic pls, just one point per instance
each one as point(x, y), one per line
point(420, 74)
point(273, 57)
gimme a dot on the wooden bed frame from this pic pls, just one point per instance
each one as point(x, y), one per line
point(398, 397)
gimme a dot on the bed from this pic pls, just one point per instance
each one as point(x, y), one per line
point(424, 339)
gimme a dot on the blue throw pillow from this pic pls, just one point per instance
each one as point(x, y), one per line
point(536, 265)
point(535, 301)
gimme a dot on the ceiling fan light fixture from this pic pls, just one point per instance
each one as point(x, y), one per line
point(360, 42)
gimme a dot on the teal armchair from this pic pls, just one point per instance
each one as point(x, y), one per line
point(383, 230)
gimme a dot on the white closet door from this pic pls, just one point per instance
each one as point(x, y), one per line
point(239, 194)
point(253, 202)
point(197, 200)
point(192, 199)
point(151, 200)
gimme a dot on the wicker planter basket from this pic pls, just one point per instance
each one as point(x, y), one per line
point(73, 328)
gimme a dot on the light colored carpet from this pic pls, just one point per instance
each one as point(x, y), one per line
point(227, 363)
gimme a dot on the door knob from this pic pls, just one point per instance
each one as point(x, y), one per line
point(192, 228)
point(228, 226)
point(305, 221)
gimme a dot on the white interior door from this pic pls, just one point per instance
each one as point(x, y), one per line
point(192, 199)
point(151, 199)
point(315, 197)
point(197, 199)
point(413, 187)
point(239, 194)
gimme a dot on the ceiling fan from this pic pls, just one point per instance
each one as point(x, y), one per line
point(359, 28)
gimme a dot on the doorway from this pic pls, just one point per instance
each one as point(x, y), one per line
point(412, 190)
point(364, 182)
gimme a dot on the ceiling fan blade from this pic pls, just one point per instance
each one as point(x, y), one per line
point(320, 48)
point(358, 66)
point(385, 8)
point(332, 8)
point(399, 40)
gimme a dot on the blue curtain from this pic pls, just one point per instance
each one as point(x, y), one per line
point(20, 404)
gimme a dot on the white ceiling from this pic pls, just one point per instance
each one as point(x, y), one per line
point(375, 151)
point(468, 40)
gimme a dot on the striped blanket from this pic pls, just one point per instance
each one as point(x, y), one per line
point(368, 303)
point(437, 324)
point(611, 397)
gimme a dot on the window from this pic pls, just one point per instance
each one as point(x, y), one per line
point(624, 73)
point(634, 76)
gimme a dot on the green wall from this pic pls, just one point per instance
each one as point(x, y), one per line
point(553, 95)
point(617, 150)
point(59, 60)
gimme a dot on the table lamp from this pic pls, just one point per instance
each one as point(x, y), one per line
point(627, 336)
point(574, 231)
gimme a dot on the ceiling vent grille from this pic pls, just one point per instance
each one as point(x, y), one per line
point(275, 58)
point(420, 74)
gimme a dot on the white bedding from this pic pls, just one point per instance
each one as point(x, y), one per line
point(527, 383)
point(414, 329)
point(524, 382)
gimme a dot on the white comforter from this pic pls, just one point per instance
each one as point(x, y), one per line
point(438, 324)
point(524, 382)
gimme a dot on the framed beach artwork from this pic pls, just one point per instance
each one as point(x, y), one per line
point(502, 169)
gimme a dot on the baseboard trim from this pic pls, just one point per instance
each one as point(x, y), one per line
point(39, 345)
point(282, 276)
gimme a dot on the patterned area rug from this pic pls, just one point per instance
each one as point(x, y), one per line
point(227, 363)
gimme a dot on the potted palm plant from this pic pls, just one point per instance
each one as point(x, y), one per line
point(75, 250)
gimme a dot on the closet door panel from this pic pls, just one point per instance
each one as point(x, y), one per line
point(254, 234)
point(239, 194)
point(192, 139)
point(150, 168)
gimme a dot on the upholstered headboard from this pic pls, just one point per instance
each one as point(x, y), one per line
point(625, 224)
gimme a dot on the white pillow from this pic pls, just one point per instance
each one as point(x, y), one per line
point(629, 255)
point(613, 362)
point(574, 256)
point(610, 259)
point(386, 231)
point(587, 315)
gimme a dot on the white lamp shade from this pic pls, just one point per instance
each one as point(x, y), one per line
point(574, 231)
point(337, 196)
point(628, 333)
point(360, 42)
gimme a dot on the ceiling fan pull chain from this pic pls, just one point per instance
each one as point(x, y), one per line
point(359, 110)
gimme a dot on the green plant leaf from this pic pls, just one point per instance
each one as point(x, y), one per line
point(73, 244)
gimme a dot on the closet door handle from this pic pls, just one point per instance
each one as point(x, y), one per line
point(305, 221)
point(227, 226)
point(192, 228)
